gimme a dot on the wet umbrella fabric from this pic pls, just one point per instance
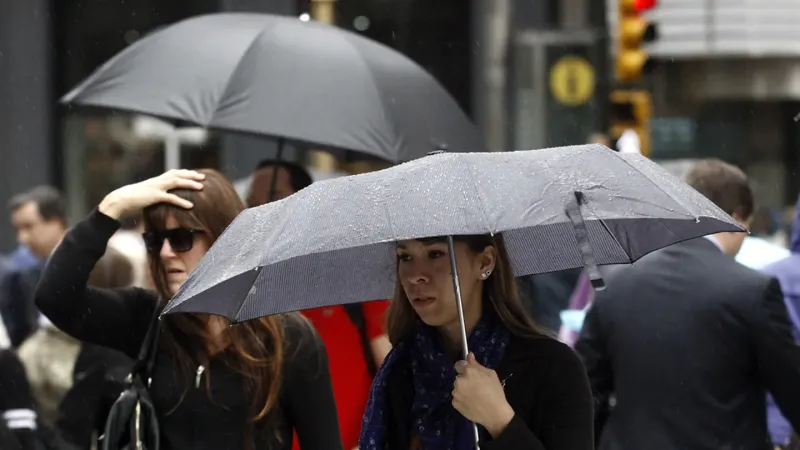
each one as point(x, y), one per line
point(281, 77)
point(334, 242)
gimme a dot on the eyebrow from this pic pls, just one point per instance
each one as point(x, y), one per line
point(425, 242)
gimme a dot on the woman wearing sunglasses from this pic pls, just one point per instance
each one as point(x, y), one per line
point(214, 386)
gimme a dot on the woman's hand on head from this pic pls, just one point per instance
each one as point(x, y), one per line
point(479, 396)
point(137, 196)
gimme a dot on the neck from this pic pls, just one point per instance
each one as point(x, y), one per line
point(60, 237)
point(730, 242)
point(452, 331)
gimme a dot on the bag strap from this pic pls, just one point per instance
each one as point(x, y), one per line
point(356, 313)
point(147, 353)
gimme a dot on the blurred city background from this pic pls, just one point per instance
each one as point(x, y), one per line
point(721, 78)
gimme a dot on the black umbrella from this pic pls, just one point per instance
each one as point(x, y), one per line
point(282, 77)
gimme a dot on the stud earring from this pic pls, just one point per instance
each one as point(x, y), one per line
point(486, 274)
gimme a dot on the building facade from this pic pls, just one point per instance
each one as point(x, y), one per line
point(49, 46)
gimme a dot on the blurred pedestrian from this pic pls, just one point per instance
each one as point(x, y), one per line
point(213, 385)
point(18, 417)
point(787, 271)
point(342, 328)
point(688, 340)
point(39, 217)
point(57, 364)
point(128, 241)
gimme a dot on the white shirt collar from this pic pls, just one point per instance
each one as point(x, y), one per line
point(5, 342)
point(715, 242)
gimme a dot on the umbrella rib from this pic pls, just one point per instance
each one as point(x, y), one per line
point(235, 70)
point(471, 172)
point(657, 185)
point(386, 115)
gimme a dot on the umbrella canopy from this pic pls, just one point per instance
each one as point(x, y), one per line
point(282, 77)
point(334, 242)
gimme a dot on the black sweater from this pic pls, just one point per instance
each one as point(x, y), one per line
point(119, 319)
point(544, 382)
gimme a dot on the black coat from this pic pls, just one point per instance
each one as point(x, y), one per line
point(545, 384)
point(689, 341)
point(17, 406)
point(16, 304)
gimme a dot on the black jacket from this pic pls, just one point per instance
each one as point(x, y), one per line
point(18, 418)
point(545, 384)
point(16, 304)
point(119, 319)
point(689, 341)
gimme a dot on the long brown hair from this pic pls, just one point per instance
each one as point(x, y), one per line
point(500, 290)
point(255, 348)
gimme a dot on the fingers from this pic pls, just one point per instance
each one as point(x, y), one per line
point(186, 173)
point(177, 201)
point(183, 183)
point(177, 179)
point(471, 359)
point(461, 367)
point(456, 385)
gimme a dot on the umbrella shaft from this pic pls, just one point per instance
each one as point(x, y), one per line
point(459, 302)
point(451, 250)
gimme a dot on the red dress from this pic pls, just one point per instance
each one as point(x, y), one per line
point(349, 373)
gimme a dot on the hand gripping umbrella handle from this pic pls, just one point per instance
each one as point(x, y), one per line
point(460, 305)
point(573, 210)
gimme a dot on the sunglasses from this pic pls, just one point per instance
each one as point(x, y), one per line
point(180, 239)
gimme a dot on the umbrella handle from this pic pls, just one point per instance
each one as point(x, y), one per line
point(451, 250)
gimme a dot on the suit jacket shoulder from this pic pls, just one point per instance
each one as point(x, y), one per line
point(694, 268)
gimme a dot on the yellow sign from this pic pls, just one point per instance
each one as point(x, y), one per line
point(572, 80)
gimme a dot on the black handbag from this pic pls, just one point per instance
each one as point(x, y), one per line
point(132, 422)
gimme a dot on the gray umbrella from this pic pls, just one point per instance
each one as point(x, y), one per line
point(334, 242)
point(282, 77)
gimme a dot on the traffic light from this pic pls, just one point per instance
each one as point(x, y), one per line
point(633, 32)
point(631, 110)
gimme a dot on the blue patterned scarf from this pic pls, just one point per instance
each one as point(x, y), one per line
point(438, 425)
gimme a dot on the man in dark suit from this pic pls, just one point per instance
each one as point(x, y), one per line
point(39, 217)
point(688, 341)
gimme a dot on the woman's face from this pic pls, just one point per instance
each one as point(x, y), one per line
point(424, 271)
point(181, 250)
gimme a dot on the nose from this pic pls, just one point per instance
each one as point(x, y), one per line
point(166, 250)
point(417, 276)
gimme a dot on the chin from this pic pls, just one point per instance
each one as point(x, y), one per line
point(173, 288)
point(434, 320)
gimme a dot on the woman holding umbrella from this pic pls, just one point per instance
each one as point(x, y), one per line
point(524, 389)
point(212, 385)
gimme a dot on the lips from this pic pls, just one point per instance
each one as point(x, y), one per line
point(423, 301)
point(174, 271)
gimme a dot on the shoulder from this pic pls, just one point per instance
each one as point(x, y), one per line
point(557, 369)
point(745, 280)
point(545, 351)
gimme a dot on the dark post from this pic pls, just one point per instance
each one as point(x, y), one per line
point(602, 58)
